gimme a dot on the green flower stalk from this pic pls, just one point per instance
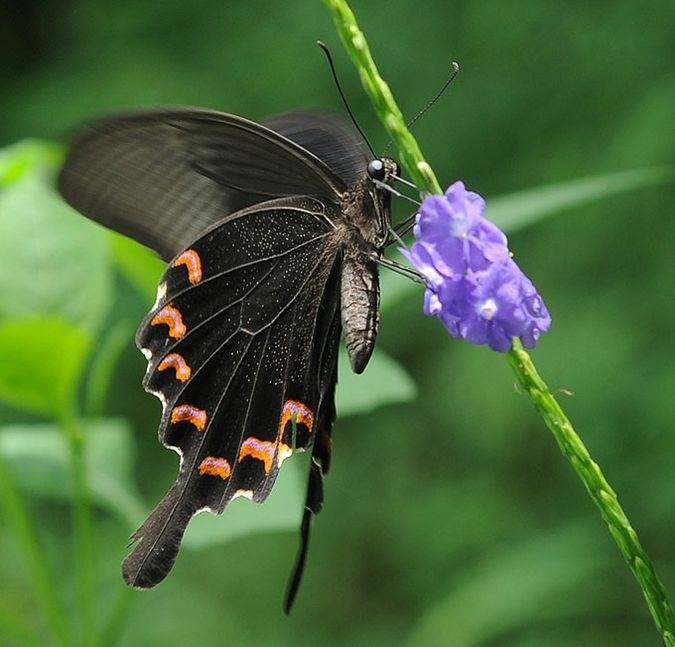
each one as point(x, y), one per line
point(520, 361)
point(382, 98)
point(601, 492)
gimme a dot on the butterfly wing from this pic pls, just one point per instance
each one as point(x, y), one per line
point(242, 342)
point(243, 339)
point(327, 137)
point(163, 177)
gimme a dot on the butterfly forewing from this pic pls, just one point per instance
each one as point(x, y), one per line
point(162, 177)
point(331, 140)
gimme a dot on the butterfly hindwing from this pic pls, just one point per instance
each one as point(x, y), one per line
point(241, 343)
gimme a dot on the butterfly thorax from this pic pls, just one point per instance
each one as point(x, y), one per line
point(367, 206)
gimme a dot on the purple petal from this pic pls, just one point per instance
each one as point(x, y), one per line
point(475, 287)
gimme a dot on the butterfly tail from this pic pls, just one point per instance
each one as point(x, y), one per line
point(158, 542)
point(312, 506)
point(321, 452)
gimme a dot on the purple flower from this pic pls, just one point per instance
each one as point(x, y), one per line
point(473, 284)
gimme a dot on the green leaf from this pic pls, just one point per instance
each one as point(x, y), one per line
point(138, 264)
point(39, 459)
point(516, 588)
point(281, 511)
point(41, 364)
point(53, 262)
point(29, 157)
point(383, 382)
point(524, 208)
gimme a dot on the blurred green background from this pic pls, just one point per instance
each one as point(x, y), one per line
point(451, 519)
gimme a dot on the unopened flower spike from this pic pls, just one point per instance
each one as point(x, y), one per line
point(473, 284)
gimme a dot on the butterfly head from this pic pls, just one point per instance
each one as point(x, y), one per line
point(383, 171)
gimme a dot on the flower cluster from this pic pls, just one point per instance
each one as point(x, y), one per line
point(473, 285)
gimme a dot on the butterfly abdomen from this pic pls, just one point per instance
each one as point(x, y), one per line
point(360, 308)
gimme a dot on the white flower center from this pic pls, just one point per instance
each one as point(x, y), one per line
point(487, 309)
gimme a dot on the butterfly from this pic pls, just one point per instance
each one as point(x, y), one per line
point(272, 234)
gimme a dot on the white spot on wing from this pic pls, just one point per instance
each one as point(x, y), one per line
point(284, 453)
point(161, 294)
point(178, 451)
point(247, 494)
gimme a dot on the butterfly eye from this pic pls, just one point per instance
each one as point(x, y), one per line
point(376, 170)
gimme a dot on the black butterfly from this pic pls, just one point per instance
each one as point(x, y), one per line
point(273, 234)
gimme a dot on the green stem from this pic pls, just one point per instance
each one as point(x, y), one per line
point(118, 616)
point(382, 98)
point(17, 517)
point(602, 494)
point(11, 626)
point(102, 369)
point(570, 443)
point(82, 527)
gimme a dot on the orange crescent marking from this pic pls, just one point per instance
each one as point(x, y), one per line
point(188, 413)
point(261, 449)
point(177, 362)
point(304, 415)
point(215, 466)
point(171, 317)
point(193, 263)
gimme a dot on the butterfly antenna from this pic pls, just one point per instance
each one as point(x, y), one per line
point(329, 56)
point(439, 94)
point(451, 78)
